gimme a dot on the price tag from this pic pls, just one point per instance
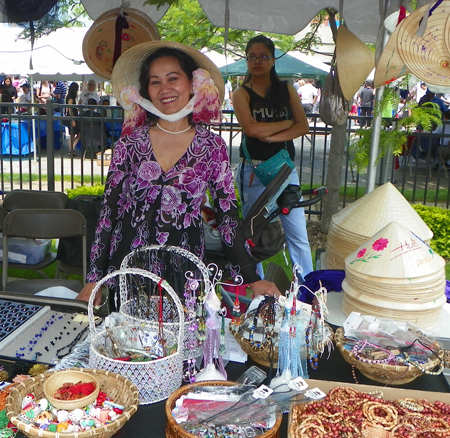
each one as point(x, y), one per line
point(262, 392)
point(315, 394)
point(298, 384)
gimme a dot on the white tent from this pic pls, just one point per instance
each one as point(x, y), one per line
point(57, 56)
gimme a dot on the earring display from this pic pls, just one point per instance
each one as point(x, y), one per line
point(46, 337)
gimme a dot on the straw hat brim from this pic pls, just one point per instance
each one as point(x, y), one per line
point(426, 57)
point(390, 65)
point(354, 61)
point(99, 41)
point(378, 208)
point(127, 69)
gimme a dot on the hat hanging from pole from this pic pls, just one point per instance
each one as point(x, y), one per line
point(426, 57)
point(390, 65)
point(354, 61)
point(113, 33)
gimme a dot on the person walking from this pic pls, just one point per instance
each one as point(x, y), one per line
point(271, 115)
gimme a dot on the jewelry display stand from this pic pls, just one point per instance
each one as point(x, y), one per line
point(45, 336)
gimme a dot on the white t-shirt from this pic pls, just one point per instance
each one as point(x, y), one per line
point(86, 95)
point(228, 90)
point(307, 92)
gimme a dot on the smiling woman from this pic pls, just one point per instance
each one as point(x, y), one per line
point(164, 163)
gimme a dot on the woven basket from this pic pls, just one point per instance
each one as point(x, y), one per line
point(175, 430)
point(119, 389)
point(156, 379)
point(384, 373)
point(261, 355)
point(59, 378)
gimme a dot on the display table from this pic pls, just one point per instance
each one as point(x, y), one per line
point(16, 139)
point(150, 420)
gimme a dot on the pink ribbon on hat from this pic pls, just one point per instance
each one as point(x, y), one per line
point(207, 100)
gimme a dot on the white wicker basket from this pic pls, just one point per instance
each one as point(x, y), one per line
point(156, 379)
point(156, 266)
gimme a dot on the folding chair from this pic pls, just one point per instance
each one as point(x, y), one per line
point(34, 199)
point(41, 224)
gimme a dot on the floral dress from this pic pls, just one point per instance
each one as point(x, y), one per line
point(144, 205)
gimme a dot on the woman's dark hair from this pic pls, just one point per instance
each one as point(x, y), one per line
point(187, 64)
point(277, 94)
point(72, 92)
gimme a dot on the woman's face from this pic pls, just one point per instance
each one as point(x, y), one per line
point(169, 87)
point(259, 67)
point(7, 81)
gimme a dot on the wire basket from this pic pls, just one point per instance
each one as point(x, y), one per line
point(59, 378)
point(155, 379)
point(175, 430)
point(177, 266)
point(382, 372)
point(118, 388)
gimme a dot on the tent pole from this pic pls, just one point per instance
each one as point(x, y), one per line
point(33, 121)
point(376, 131)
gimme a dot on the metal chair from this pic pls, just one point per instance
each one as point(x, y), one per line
point(41, 224)
point(87, 205)
point(18, 199)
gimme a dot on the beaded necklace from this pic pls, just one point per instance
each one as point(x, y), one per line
point(34, 340)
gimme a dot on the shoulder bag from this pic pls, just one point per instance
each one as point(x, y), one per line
point(268, 170)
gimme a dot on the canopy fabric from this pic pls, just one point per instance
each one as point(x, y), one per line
point(286, 66)
point(290, 16)
point(52, 58)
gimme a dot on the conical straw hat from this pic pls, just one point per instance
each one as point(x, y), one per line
point(395, 252)
point(99, 41)
point(354, 61)
point(376, 209)
point(426, 57)
point(390, 65)
point(447, 34)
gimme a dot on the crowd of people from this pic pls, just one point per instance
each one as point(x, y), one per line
point(18, 90)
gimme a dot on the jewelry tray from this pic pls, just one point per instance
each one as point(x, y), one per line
point(46, 332)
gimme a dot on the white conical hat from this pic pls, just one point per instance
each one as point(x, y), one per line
point(390, 66)
point(354, 61)
point(376, 209)
point(395, 252)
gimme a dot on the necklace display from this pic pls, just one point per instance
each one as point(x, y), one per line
point(54, 338)
point(173, 132)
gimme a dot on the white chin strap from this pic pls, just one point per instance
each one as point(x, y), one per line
point(147, 105)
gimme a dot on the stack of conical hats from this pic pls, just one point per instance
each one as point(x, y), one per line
point(395, 275)
point(358, 222)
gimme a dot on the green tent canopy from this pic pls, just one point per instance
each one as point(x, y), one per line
point(286, 66)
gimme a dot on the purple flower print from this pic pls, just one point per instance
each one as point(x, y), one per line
point(228, 230)
point(148, 172)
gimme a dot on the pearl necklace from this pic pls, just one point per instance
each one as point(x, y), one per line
point(174, 132)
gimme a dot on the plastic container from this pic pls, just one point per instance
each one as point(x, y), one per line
point(26, 251)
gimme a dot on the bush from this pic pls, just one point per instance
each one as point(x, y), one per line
point(96, 189)
point(438, 220)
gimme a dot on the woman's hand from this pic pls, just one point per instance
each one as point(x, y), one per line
point(264, 287)
point(86, 293)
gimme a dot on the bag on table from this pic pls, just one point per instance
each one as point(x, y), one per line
point(268, 170)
